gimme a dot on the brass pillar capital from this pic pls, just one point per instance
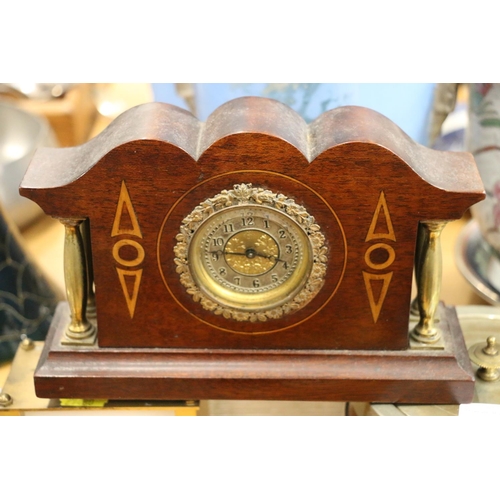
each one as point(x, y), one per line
point(69, 222)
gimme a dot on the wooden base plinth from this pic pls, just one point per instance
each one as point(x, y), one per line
point(423, 376)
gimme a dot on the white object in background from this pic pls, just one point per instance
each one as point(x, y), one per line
point(21, 133)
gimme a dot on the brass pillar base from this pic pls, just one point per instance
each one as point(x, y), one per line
point(426, 337)
point(438, 345)
point(420, 341)
point(87, 337)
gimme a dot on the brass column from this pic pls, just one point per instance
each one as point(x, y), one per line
point(428, 276)
point(80, 330)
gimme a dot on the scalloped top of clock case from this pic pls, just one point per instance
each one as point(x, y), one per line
point(58, 167)
point(363, 179)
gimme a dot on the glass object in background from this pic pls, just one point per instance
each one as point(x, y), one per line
point(21, 133)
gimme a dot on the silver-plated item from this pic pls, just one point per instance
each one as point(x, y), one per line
point(478, 262)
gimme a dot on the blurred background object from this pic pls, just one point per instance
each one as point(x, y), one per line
point(21, 133)
point(483, 141)
point(69, 108)
point(478, 247)
point(445, 102)
point(27, 301)
point(449, 118)
point(466, 117)
point(112, 99)
point(37, 91)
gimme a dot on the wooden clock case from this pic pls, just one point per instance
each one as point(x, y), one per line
point(365, 182)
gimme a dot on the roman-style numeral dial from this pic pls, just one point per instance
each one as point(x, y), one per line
point(254, 259)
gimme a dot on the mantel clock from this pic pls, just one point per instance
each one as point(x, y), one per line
point(253, 257)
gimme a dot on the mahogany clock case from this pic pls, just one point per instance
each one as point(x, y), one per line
point(366, 184)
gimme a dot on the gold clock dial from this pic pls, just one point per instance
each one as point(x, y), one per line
point(257, 259)
point(250, 257)
point(251, 252)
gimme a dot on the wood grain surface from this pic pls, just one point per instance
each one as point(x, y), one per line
point(366, 183)
point(410, 376)
point(337, 168)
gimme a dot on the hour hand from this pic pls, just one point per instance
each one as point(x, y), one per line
point(250, 254)
point(222, 252)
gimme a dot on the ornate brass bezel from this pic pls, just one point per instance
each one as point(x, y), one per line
point(247, 195)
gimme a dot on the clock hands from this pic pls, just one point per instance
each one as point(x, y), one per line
point(249, 253)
